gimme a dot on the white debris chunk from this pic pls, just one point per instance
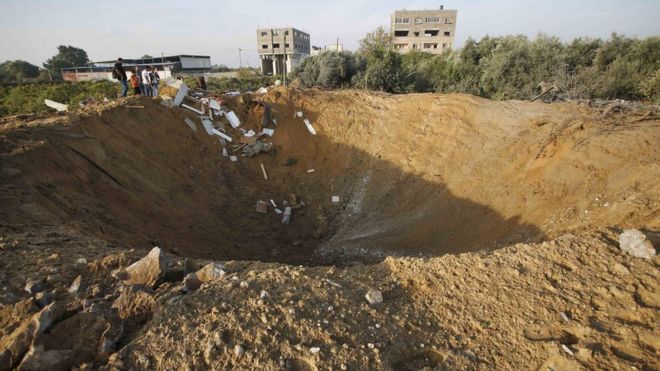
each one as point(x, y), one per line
point(58, 106)
point(192, 109)
point(208, 126)
point(299, 114)
point(273, 203)
point(564, 316)
point(269, 132)
point(286, 218)
point(249, 134)
point(635, 243)
point(233, 120)
point(221, 134)
point(262, 90)
point(311, 171)
point(233, 158)
point(335, 199)
point(567, 350)
point(214, 104)
point(263, 171)
point(374, 297)
point(310, 127)
point(314, 350)
point(224, 152)
point(190, 124)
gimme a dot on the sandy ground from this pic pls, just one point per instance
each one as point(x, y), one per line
point(418, 177)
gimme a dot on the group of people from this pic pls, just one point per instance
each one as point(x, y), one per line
point(143, 82)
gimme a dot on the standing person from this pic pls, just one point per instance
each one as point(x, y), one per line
point(135, 82)
point(119, 74)
point(155, 79)
point(146, 82)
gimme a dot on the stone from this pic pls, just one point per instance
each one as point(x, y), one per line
point(635, 244)
point(208, 273)
point(43, 298)
point(244, 284)
point(81, 261)
point(374, 297)
point(75, 286)
point(239, 351)
point(149, 270)
point(136, 304)
point(35, 286)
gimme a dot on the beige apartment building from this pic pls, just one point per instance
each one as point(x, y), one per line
point(425, 30)
point(280, 48)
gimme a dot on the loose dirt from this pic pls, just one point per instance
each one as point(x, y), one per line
point(418, 177)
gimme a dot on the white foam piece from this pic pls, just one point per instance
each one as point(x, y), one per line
point(233, 158)
point(311, 170)
point(268, 132)
point(221, 134)
point(233, 120)
point(192, 109)
point(299, 114)
point(224, 152)
point(208, 126)
point(310, 127)
point(58, 106)
point(335, 199)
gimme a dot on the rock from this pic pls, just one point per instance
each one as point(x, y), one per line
point(81, 261)
point(149, 270)
point(135, 304)
point(263, 294)
point(239, 351)
point(75, 286)
point(42, 299)
point(635, 243)
point(244, 284)
point(374, 297)
point(35, 286)
point(314, 350)
point(208, 273)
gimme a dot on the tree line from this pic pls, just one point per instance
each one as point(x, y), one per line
point(505, 67)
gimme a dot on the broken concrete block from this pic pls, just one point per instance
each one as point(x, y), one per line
point(635, 243)
point(233, 119)
point(286, 218)
point(176, 89)
point(190, 124)
point(56, 105)
point(221, 134)
point(310, 127)
point(269, 132)
point(374, 297)
point(135, 304)
point(149, 270)
point(192, 109)
point(233, 158)
point(335, 199)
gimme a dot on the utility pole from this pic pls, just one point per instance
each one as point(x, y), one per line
point(240, 61)
point(337, 49)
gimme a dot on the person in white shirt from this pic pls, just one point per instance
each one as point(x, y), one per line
point(146, 82)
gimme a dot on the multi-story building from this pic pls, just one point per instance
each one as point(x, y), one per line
point(425, 30)
point(281, 48)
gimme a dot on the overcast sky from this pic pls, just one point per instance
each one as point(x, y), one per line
point(32, 29)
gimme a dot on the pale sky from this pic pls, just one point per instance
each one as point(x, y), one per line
point(32, 29)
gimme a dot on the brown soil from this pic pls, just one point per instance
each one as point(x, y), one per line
point(417, 175)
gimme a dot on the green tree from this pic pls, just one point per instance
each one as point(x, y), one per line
point(18, 71)
point(67, 56)
point(378, 40)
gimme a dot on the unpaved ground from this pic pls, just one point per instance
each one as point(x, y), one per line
point(417, 175)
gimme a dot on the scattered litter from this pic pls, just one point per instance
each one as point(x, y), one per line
point(192, 109)
point(311, 170)
point(190, 124)
point(335, 199)
point(208, 126)
point(275, 122)
point(58, 106)
point(224, 152)
point(250, 133)
point(133, 106)
point(221, 134)
point(262, 207)
point(233, 158)
point(268, 132)
point(635, 243)
point(233, 120)
point(213, 104)
point(273, 203)
point(233, 93)
point(278, 211)
point(314, 350)
point(564, 316)
point(262, 90)
point(263, 170)
point(287, 215)
point(176, 89)
point(310, 127)
point(299, 114)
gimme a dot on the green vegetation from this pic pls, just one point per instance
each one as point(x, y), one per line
point(29, 98)
point(508, 67)
point(18, 71)
point(67, 56)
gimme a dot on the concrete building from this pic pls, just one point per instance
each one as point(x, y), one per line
point(425, 30)
point(316, 50)
point(281, 48)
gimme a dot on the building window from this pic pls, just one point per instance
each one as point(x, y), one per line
point(444, 45)
point(431, 32)
point(430, 46)
point(264, 46)
point(401, 33)
point(286, 45)
point(276, 46)
point(447, 33)
point(402, 20)
point(432, 19)
point(264, 33)
point(286, 33)
point(275, 33)
point(418, 21)
point(449, 21)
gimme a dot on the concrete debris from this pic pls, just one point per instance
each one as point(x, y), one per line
point(335, 199)
point(190, 124)
point(273, 203)
point(213, 104)
point(192, 109)
point(221, 134)
point(314, 350)
point(298, 114)
point(81, 261)
point(208, 126)
point(635, 244)
point(278, 211)
point(233, 158)
point(374, 297)
point(310, 127)
point(35, 286)
point(257, 147)
point(286, 218)
point(149, 270)
point(567, 350)
point(233, 119)
point(58, 106)
point(75, 286)
point(224, 152)
point(262, 207)
point(176, 89)
point(238, 351)
point(269, 132)
point(263, 171)
point(263, 294)
point(208, 273)
point(564, 316)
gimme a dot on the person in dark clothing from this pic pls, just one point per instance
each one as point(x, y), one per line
point(119, 73)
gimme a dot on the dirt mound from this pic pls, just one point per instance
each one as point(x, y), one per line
point(427, 174)
point(84, 196)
